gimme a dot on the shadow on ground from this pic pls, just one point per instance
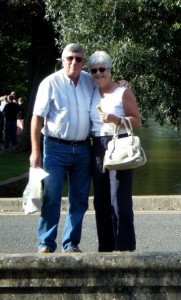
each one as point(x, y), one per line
point(13, 189)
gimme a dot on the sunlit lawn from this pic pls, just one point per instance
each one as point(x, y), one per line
point(13, 164)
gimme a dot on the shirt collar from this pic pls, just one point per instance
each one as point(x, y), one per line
point(68, 80)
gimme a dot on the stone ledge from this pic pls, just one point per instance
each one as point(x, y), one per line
point(155, 203)
point(123, 275)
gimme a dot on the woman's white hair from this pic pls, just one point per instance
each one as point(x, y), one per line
point(100, 57)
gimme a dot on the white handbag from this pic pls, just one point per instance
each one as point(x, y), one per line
point(124, 153)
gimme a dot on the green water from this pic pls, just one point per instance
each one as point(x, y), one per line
point(162, 173)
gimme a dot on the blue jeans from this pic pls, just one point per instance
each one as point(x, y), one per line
point(73, 160)
point(112, 203)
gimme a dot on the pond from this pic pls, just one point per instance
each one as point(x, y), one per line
point(162, 173)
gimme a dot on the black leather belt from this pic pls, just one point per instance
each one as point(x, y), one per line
point(66, 142)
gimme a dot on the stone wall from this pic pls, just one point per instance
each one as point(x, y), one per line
point(115, 276)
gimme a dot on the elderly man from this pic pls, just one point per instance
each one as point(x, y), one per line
point(62, 105)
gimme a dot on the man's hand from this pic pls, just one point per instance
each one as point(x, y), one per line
point(35, 159)
point(124, 83)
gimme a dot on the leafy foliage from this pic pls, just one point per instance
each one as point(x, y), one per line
point(15, 43)
point(143, 38)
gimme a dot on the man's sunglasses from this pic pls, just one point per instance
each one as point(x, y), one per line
point(95, 70)
point(78, 59)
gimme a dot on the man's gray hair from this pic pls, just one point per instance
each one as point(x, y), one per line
point(100, 57)
point(73, 48)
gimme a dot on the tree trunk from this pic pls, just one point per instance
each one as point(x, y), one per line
point(42, 61)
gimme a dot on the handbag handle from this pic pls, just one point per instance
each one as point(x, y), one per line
point(129, 128)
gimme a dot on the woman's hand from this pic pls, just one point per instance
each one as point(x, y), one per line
point(109, 118)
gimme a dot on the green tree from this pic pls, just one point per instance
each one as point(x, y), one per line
point(143, 38)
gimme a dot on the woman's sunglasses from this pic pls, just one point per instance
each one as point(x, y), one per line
point(78, 59)
point(95, 70)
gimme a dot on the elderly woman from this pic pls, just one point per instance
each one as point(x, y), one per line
point(113, 189)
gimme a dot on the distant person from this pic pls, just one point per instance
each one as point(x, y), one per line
point(20, 116)
point(13, 93)
point(10, 112)
point(4, 101)
point(1, 127)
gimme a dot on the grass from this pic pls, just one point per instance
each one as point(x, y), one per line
point(13, 164)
